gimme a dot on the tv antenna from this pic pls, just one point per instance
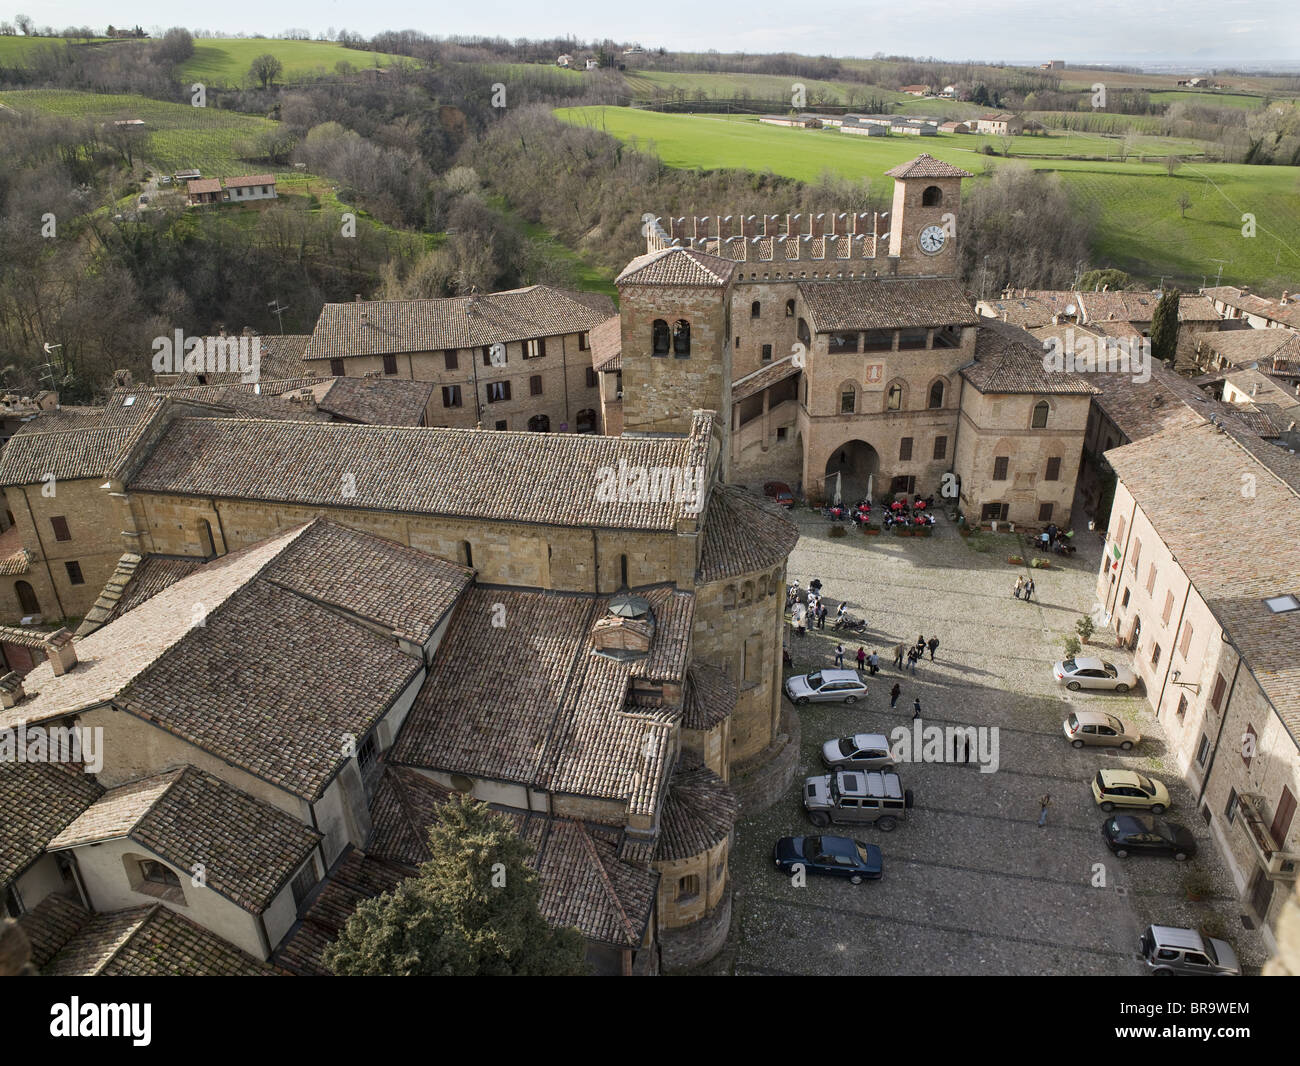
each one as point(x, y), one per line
point(278, 309)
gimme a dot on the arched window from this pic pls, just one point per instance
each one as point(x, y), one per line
point(468, 552)
point(936, 394)
point(681, 339)
point(27, 598)
point(804, 336)
point(894, 398)
point(539, 424)
point(755, 309)
point(789, 309)
point(1040, 414)
point(762, 586)
point(932, 197)
point(747, 592)
point(586, 420)
point(660, 337)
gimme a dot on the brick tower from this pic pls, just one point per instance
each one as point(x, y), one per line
point(923, 229)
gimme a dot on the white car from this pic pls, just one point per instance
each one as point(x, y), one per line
point(1085, 672)
point(862, 751)
point(826, 686)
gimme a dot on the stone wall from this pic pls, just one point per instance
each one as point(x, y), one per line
point(694, 945)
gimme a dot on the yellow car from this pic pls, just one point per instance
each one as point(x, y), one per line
point(1124, 788)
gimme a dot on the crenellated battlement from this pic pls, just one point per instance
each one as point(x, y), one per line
point(845, 236)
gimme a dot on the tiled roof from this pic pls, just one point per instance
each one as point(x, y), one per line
point(763, 378)
point(679, 267)
point(926, 166)
point(700, 813)
point(1263, 389)
point(237, 399)
point(37, 800)
point(743, 534)
point(607, 345)
point(1010, 360)
point(377, 327)
point(378, 401)
point(67, 455)
point(280, 359)
point(1118, 305)
point(885, 303)
point(1194, 308)
point(153, 574)
point(250, 179)
point(1024, 311)
point(248, 849)
point(1251, 303)
point(150, 942)
point(547, 478)
point(1185, 480)
point(709, 699)
point(201, 185)
point(51, 924)
point(13, 556)
point(1243, 346)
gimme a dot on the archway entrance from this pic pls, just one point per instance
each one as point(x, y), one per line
point(855, 461)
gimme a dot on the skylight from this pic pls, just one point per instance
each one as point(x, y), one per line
point(1282, 604)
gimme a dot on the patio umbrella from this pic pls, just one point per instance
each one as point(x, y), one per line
point(836, 501)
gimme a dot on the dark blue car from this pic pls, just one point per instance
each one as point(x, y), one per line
point(836, 856)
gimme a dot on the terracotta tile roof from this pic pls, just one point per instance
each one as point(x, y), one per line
point(378, 401)
point(763, 378)
point(280, 359)
point(885, 303)
point(37, 800)
point(926, 166)
point(743, 534)
point(201, 185)
point(1263, 389)
point(709, 699)
point(250, 179)
point(1010, 360)
point(700, 813)
point(1116, 328)
point(1118, 305)
point(1251, 303)
point(248, 849)
point(61, 418)
point(68, 455)
point(1194, 308)
point(151, 942)
point(14, 559)
point(1024, 311)
point(376, 327)
point(607, 345)
point(678, 267)
point(547, 478)
point(1139, 409)
point(153, 574)
point(51, 924)
point(1185, 480)
point(1240, 347)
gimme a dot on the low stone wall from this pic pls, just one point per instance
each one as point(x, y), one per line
point(696, 944)
point(764, 779)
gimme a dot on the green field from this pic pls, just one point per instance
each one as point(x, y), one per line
point(15, 51)
point(1139, 227)
point(178, 136)
point(661, 84)
point(1244, 101)
point(222, 62)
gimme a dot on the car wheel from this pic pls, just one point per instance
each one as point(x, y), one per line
point(1126, 746)
point(1076, 743)
point(1121, 688)
point(855, 880)
point(850, 699)
point(886, 824)
point(1162, 973)
point(801, 700)
point(1180, 856)
point(1108, 807)
point(1121, 853)
point(820, 820)
point(1073, 686)
point(1157, 808)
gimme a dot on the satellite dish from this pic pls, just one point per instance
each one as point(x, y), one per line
point(1069, 309)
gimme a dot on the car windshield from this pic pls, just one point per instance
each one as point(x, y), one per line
point(1070, 666)
point(862, 853)
point(1115, 724)
point(814, 680)
point(1073, 720)
point(847, 747)
point(1144, 783)
point(812, 847)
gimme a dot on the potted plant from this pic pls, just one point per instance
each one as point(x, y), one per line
point(1197, 886)
point(1015, 560)
point(1041, 564)
point(1071, 645)
point(1086, 627)
point(871, 529)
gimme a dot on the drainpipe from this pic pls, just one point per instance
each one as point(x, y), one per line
point(1223, 720)
point(1110, 605)
point(1169, 663)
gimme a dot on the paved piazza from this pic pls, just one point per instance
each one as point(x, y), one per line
point(972, 885)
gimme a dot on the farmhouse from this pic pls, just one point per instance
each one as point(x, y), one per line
point(915, 90)
point(1000, 124)
point(230, 190)
point(954, 127)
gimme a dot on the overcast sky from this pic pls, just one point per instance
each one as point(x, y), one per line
point(1132, 31)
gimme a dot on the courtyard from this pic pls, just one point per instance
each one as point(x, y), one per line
point(972, 885)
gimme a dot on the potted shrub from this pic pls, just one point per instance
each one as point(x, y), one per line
point(1015, 560)
point(1071, 645)
point(870, 529)
point(1197, 886)
point(1086, 627)
point(1041, 564)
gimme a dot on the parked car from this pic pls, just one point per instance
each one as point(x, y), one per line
point(857, 796)
point(165, 180)
point(1172, 952)
point(1144, 834)
point(1125, 788)
point(780, 492)
point(826, 686)
point(1098, 727)
point(1085, 672)
point(834, 856)
point(862, 751)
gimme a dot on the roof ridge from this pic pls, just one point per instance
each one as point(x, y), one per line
point(152, 908)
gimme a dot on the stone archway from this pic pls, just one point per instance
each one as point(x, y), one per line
point(855, 461)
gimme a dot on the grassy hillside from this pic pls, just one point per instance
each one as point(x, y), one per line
point(178, 136)
point(14, 51)
point(226, 62)
point(1140, 226)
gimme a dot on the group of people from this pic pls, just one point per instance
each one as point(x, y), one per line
point(1057, 540)
point(916, 652)
point(1024, 589)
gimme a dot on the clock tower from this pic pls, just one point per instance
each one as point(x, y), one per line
point(923, 224)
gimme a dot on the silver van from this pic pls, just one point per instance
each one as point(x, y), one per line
point(857, 797)
point(1170, 952)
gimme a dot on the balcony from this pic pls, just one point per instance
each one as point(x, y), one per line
point(1278, 865)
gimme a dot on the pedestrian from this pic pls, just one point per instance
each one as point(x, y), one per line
point(1045, 802)
point(894, 693)
point(898, 656)
point(1020, 587)
point(821, 616)
point(920, 643)
point(839, 654)
point(932, 643)
point(874, 660)
point(916, 708)
point(1029, 589)
point(912, 656)
point(862, 657)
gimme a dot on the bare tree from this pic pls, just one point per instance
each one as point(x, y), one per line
point(24, 23)
point(265, 69)
point(1184, 202)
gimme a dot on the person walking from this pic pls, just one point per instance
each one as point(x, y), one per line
point(916, 708)
point(932, 644)
point(821, 616)
point(862, 657)
point(894, 693)
point(874, 660)
point(1029, 589)
point(839, 655)
point(898, 656)
point(912, 656)
point(1020, 587)
point(1045, 802)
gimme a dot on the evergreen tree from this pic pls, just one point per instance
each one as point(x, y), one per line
point(1164, 326)
point(471, 910)
point(1108, 277)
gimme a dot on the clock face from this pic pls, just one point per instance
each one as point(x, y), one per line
point(931, 239)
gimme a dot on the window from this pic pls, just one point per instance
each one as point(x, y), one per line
point(801, 331)
point(842, 342)
point(501, 359)
point(622, 569)
point(932, 197)
point(681, 339)
point(451, 360)
point(585, 421)
point(1137, 554)
point(737, 341)
point(994, 512)
point(74, 573)
point(1040, 415)
point(1053, 469)
point(1182, 706)
point(27, 598)
point(535, 385)
point(1155, 654)
point(1230, 808)
point(1186, 642)
point(941, 447)
point(1045, 511)
point(1119, 530)
point(584, 342)
point(497, 391)
point(337, 368)
point(467, 551)
point(1124, 601)
point(367, 753)
point(60, 525)
point(1151, 579)
point(936, 395)
point(781, 432)
point(1202, 750)
point(451, 396)
point(304, 883)
point(789, 309)
point(912, 338)
point(894, 398)
point(879, 340)
point(501, 424)
point(1000, 467)
point(390, 364)
point(903, 483)
point(767, 353)
point(159, 874)
point(1282, 604)
point(1216, 696)
point(688, 887)
point(755, 309)
point(539, 424)
point(905, 449)
point(535, 349)
point(848, 399)
point(1169, 608)
point(592, 379)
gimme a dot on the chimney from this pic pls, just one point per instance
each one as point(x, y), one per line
point(1286, 297)
point(11, 690)
point(122, 378)
point(60, 652)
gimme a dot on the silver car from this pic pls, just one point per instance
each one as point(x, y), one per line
point(862, 751)
point(826, 686)
point(1100, 728)
point(1171, 952)
point(1085, 672)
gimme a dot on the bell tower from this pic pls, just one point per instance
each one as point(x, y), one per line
point(923, 230)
